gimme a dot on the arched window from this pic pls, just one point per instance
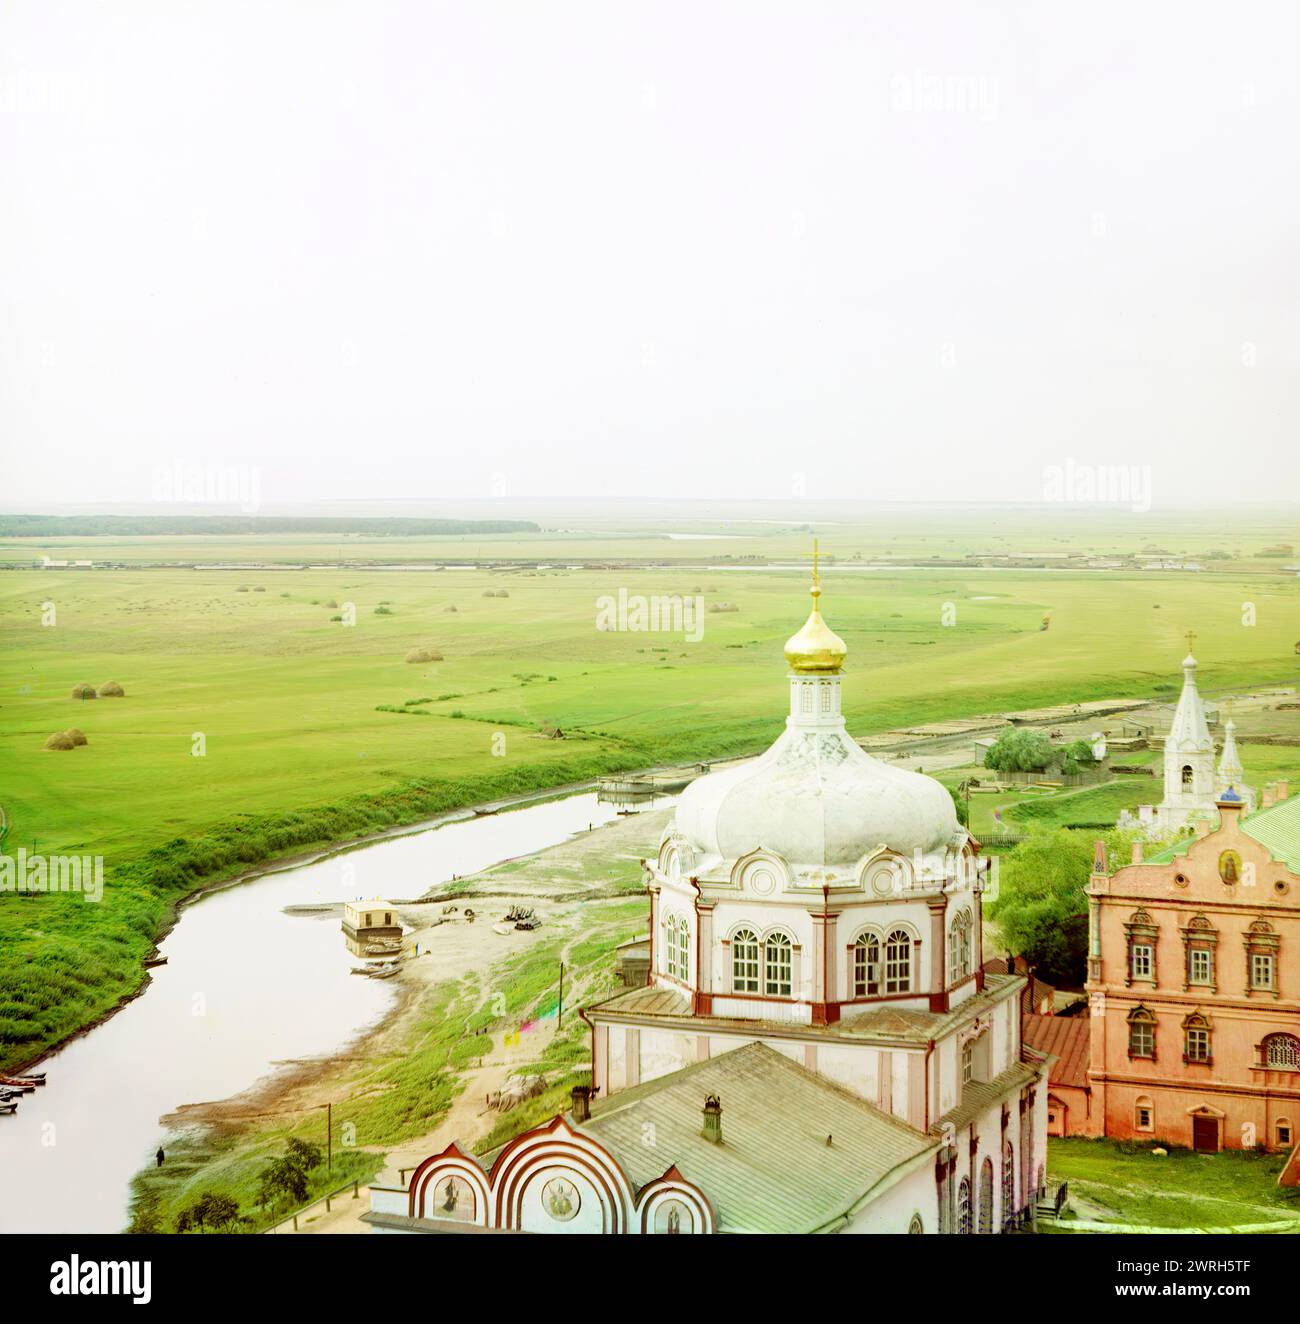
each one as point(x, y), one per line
point(1196, 1039)
point(915, 1227)
point(778, 966)
point(1008, 1184)
point(668, 945)
point(959, 948)
point(683, 950)
point(1187, 776)
point(963, 1207)
point(866, 966)
point(898, 962)
point(1144, 1113)
point(986, 1196)
point(744, 962)
point(1281, 1050)
point(1142, 1033)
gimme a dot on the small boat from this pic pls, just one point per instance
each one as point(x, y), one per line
point(155, 961)
point(24, 1085)
point(8, 1108)
point(385, 972)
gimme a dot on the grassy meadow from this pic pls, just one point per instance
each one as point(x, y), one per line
point(313, 730)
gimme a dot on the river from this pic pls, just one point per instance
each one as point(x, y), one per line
point(245, 987)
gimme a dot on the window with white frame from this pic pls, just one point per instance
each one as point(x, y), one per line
point(1200, 966)
point(1261, 970)
point(1144, 1114)
point(778, 966)
point(744, 962)
point(1262, 946)
point(967, 1062)
point(668, 944)
point(1141, 1033)
point(898, 962)
point(1196, 1039)
point(866, 966)
point(683, 950)
point(1143, 963)
point(1284, 1131)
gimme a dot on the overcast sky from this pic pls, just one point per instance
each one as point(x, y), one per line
point(894, 251)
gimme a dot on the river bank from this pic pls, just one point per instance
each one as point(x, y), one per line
point(475, 1007)
point(127, 979)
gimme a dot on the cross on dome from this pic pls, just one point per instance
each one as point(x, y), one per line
point(816, 649)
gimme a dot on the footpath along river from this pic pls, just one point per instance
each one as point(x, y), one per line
point(245, 987)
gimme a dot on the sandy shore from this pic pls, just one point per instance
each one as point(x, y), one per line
point(560, 883)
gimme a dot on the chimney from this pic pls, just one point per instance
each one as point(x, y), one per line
point(712, 1119)
point(1136, 855)
point(1270, 796)
point(581, 1103)
point(1283, 788)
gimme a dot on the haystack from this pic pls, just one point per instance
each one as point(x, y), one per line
point(424, 655)
point(60, 740)
point(111, 690)
point(76, 735)
point(84, 691)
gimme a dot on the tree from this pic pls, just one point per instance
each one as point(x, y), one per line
point(212, 1209)
point(959, 803)
point(1041, 910)
point(282, 1178)
point(1020, 750)
point(303, 1154)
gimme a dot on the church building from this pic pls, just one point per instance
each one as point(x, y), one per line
point(1194, 985)
point(818, 1047)
point(1192, 783)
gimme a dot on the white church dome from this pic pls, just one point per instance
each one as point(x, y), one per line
point(816, 798)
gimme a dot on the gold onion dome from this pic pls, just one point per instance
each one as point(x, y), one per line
point(816, 649)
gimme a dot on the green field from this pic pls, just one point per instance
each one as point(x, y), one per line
point(1123, 1183)
point(302, 744)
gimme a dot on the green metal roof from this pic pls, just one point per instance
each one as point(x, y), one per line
point(1278, 829)
point(773, 1171)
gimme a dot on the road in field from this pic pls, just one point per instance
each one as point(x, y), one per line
point(245, 987)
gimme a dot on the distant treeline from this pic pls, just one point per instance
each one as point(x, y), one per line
point(88, 526)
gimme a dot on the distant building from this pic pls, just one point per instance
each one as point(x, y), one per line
point(1194, 985)
point(1191, 781)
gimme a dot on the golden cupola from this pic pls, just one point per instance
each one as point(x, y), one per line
point(816, 650)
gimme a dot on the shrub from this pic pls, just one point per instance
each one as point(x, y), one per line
point(112, 690)
point(60, 740)
point(453, 609)
point(76, 735)
point(381, 610)
point(84, 691)
point(424, 655)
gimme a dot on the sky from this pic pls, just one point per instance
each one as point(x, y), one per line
point(716, 249)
